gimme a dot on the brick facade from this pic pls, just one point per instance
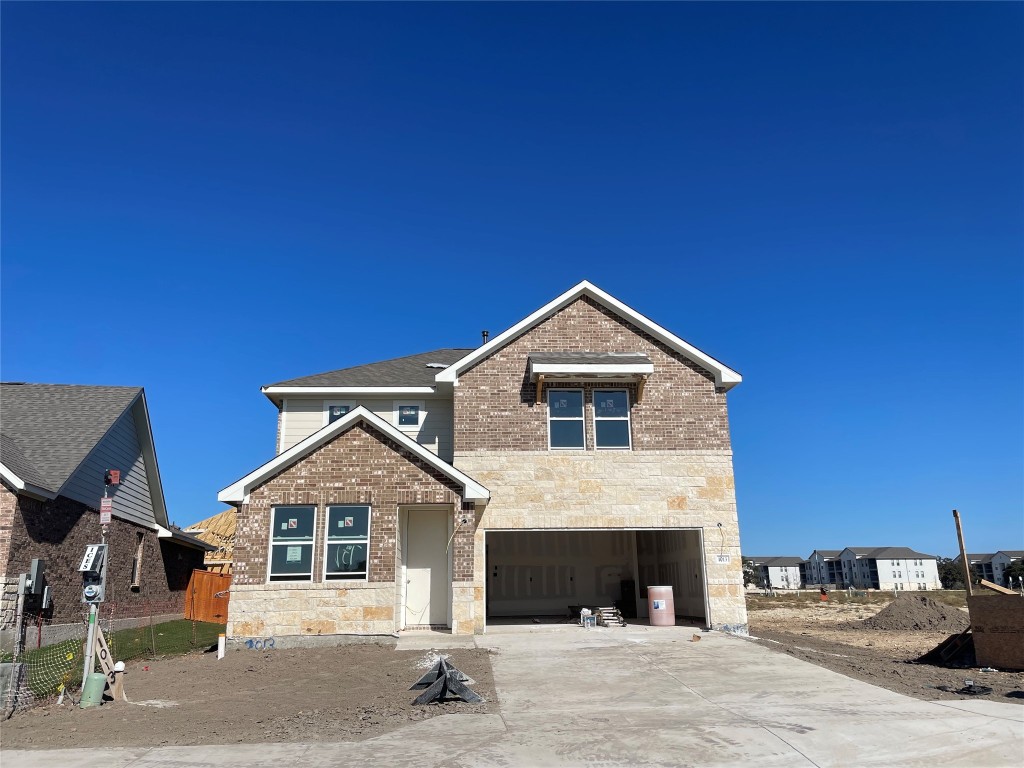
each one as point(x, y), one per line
point(59, 530)
point(495, 408)
point(359, 466)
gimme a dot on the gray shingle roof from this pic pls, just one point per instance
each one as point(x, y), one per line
point(410, 371)
point(14, 458)
point(888, 553)
point(828, 552)
point(49, 429)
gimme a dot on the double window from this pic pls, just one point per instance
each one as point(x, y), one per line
point(346, 542)
point(291, 543)
point(566, 419)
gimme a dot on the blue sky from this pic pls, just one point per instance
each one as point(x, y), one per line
point(205, 198)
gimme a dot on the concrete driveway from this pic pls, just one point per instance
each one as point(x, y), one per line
point(641, 696)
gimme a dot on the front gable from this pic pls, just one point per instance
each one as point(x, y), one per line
point(724, 377)
point(679, 405)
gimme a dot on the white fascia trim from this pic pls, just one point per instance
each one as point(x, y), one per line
point(237, 492)
point(21, 486)
point(329, 391)
point(554, 369)
point(164, 533)
point(725, 377)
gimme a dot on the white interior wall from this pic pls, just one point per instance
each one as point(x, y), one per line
point(531, 573)
point(675, 559)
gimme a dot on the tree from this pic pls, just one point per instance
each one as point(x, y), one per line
point(1015, 569)
point(951, 573)
point(749, 572)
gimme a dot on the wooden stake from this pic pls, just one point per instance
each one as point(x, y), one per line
point(963, 554)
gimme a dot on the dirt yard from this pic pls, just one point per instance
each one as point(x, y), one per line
point(839, 635)
point(336, 694)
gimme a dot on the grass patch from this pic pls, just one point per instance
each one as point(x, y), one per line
point(60, 664)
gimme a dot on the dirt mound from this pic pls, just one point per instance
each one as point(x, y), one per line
point(917, 612)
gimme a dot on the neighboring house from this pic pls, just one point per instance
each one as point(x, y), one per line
point(219, 532)
point(778, 572)
point(57, 443)
point(992, 566)
point(889, 568)
point(574, 459)
point(824, 568)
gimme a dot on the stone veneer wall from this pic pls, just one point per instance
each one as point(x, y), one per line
point(620, 489)
point(359, 466)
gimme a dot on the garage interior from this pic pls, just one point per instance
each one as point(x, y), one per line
point(543, 574)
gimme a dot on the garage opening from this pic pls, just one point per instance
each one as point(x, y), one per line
point(546, 575)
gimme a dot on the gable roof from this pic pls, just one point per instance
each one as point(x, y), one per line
point(1011, 553)
point(50, 429)
point(826, 553)
point(725, 377)
point(777, 561)
point(218, 531)
point(239, 490)
point(405, 372)
point(888, 553)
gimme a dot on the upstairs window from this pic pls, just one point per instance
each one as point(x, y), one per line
point(408, 415)
point(334, 410)
point(565, 419)
point(611, 418)
point(348, 542)
point(291, 543)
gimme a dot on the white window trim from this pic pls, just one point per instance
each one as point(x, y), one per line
point(327, 541)
point(270, 546)
point(140, 550)
point(408, 427)
point(582, 418)
point(628, 419)
point(327, 408)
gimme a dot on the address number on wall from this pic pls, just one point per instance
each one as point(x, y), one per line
point(723, 559)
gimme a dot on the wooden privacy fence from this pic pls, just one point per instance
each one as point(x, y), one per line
point(207, 597)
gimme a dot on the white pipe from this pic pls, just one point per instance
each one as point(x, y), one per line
point(220, 645)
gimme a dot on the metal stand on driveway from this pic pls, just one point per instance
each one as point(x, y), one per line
point(442, 682)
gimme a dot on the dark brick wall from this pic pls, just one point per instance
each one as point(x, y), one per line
point(495, 407)
point(59, 530)
point(359, 466)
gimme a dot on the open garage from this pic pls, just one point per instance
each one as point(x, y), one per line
point(544, 573)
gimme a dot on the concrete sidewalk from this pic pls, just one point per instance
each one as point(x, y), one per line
point(641, 696)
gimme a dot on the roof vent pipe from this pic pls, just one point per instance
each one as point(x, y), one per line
point(486, 335)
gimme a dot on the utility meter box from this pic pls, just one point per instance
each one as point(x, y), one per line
point(94, 573)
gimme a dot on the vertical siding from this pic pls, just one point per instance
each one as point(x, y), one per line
point(119, 449)
point(303, 417)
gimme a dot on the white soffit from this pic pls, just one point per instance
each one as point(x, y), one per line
point(238, 491)
point(725, 377)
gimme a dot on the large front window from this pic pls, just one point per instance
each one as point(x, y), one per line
point(565, 418)
point(291, 543)
point(348, 542)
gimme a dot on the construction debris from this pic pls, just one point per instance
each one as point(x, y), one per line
point(444, 681)
point(609, 617)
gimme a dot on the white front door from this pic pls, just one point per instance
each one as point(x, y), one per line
point(426, 572)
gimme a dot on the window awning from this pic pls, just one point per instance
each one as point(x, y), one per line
point(589, 366)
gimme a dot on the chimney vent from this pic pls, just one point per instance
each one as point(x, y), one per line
point(486, 335)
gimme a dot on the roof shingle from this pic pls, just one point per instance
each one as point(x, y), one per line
point(416, 370)
point(49, 429)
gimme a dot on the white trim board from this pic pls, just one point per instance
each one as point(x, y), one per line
point(238, 491)
point(725, 377)
point(20, 486)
